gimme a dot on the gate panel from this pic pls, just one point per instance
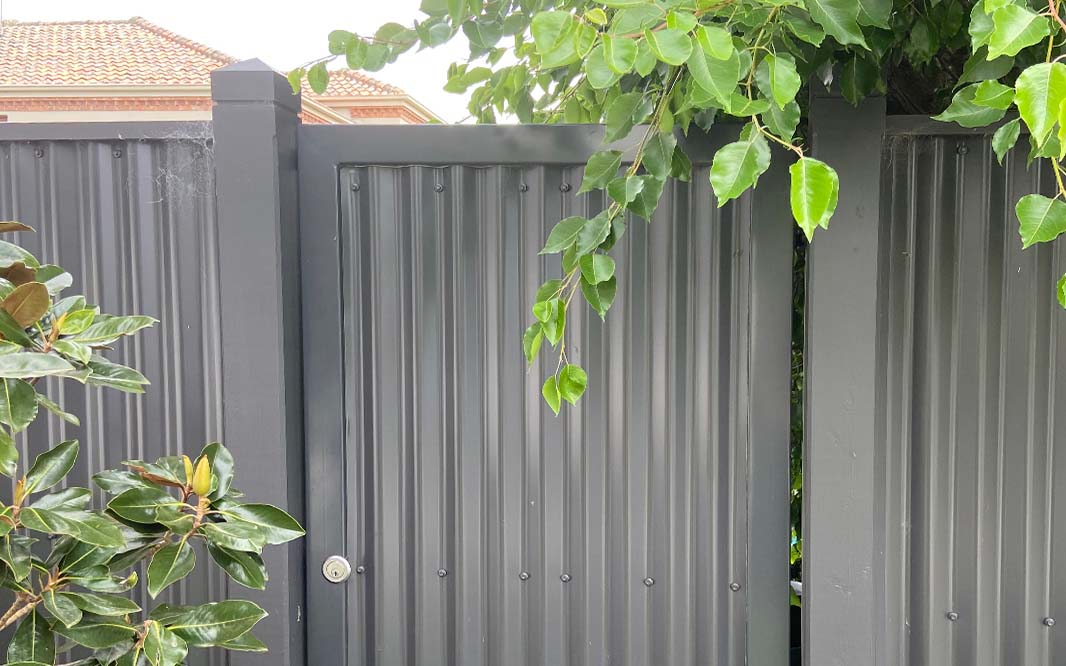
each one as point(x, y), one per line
point(487, 530)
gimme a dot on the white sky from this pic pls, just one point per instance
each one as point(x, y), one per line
point(282, 34)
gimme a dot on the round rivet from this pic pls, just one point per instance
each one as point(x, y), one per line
point(116, 153)
point(523, 188)
point(952, 616)
point(649, 581)
point(735, 587)
point(38, 152)
point(355, 186)
point(962, 149)
point(439, 187)
point(565, 187)
point(1049, 622)
point(565, 578)
point(442, 573)
point(360, 570)
point(523, 576)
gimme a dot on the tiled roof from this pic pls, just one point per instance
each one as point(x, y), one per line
point(132, 52)
point(349, 83)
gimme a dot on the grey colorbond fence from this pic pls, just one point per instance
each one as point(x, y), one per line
point(343, 306)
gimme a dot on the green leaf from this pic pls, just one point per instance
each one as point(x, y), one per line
point(113, 375)
point(1042, 219)
point(12, 254)
point(27, 365)
point(717, 78)
point(600, 296)
point(783, 122)
point(800, 24)
point(169, 565)
point(979, 68)
point(966, 112)
point(659, 154)
point(814, 192)
point(1014, 28)
point(234, 536)
point(116, 481)
point(600, 75)
point(61, 607)
point(243, 567)
point(593, 233)
point(82, 525)
point(777, 78)
point(1039, 91)
point(596, 15)
point(597, 268)
point(572, 382)
point(11, 330)
point(141, 504)
point(102, 604)
point(647, 199)
point(15, 553)
point(620, 53)
point(318, 78)
point(550, 392)
point(106, 330)
point(214, 624)
point(625, 189)
point(839, 19)
point(552, 35)
point(875, 12)
point(1060, 291)
point(737, 166)
point(50, 467)
point(277, 526)
point(715, 42)
point(245, 643)
point(670, 46)
point(600, 169)
point(66, 499)
point(33, 642)
point(562, 236)
point(57, 410)
point(162, 647)
point(1005, 138)
point(98, 632)
point(531, 341)
point(627, 110)
point(18, 404)
point(9, 454)
point(994, 95)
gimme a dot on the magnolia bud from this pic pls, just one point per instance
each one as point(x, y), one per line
point(201, 479)
point(188, 470)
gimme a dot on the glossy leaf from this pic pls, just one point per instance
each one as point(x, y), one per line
point(277, 526)
point(217, 623)
point(1039, 91)
point(814, 191)
point(600, 169)
point(550, 393)
point(1014, 28)
point(572, 383)
point(778, 79)
point(839, 19)
point(563, 235)
point(33, 642)
point(51, 466)
point(967, 112)
point(1005, 137)
point(737, 167)
point(169, 565)
point(1042, 220)
point(244, 568)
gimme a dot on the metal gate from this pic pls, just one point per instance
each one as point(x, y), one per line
point(647, 526)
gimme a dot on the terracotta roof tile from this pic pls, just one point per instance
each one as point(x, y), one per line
point(132, 52)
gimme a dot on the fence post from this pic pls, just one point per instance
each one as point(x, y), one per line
point(841, 562)
point(255, 124)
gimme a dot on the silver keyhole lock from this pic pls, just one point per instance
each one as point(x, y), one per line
point(336, 569)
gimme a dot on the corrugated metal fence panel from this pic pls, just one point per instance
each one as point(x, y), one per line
point(492, 532)
point(974, 386)
point(134, 223)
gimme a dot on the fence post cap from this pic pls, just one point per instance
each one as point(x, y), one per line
point(252, 81)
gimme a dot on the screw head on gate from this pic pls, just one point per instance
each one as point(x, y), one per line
point(962, 149)
point(438, 188)
point(565, 578)
point(952, 616)
point(565, 187)
point(524, 576)
point(38, 152)
point(734, 586)
point(441, 573)
point(355, 186)
point(1049, 622)
point(116, 153)
point(649, 581)
point(360, 570)
point(523, 188)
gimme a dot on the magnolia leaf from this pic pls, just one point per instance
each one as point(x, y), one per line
point(61, 608)
point(737, 167)
point(8, 227)
point(9, 454)
point(98, 632)
point(276, 526)
point(814, 192)
point(51, 466)
point(214, 624)
point(33, 642)
point(237, 536)
point(245, 568)
point(1042, 219)
point(18, 404)
point(31, 364)
point(162, 647)
point(172, 563)
point(27, 303)
point(142, 504)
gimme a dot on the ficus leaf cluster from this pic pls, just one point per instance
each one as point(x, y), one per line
point(71, 567)
point(669, 66)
